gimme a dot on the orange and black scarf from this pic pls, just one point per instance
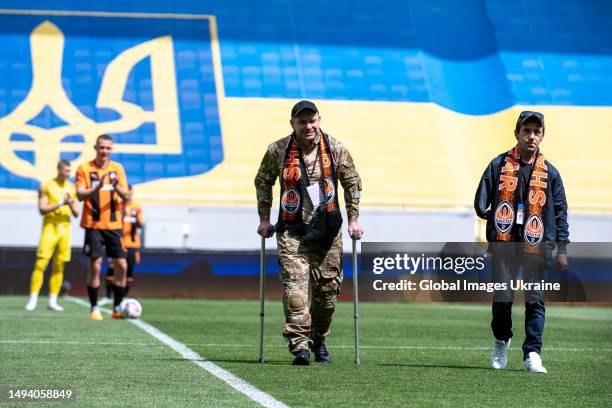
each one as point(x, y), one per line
point(294, 181)
point(506, 211)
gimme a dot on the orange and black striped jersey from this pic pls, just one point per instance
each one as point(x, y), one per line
point(132, 222)
point(102, 210)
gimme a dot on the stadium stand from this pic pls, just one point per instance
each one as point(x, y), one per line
point(194, 92)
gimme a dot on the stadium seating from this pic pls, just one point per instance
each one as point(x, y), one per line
point(423, 93)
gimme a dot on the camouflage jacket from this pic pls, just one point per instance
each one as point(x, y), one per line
point(272, 167)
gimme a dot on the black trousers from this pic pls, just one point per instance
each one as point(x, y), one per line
point(506, 265)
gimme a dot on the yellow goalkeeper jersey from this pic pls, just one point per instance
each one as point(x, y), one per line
point(55, 193)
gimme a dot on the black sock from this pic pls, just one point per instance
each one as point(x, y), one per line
point(110, 273)
point(127, 289)
point(93, 296)
point(117, 295)
point(109, 289)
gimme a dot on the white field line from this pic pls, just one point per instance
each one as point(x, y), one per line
point(238, 345)
point(75, 343)
point(230, 379)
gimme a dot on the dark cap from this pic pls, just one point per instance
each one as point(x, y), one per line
point(301, 105)
point(526, 115)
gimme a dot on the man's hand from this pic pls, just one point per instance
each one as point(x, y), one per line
point(84, 193)
point(100, 182)
point(72, 204)
point(265, 229)
point(561, 261)
point(113, 178)
point(355, 228)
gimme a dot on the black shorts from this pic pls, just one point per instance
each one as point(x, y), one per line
point(97, 241)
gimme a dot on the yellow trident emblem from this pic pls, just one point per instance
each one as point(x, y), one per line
point(47, 48)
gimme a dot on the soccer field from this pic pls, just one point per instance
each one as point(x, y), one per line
point(413, 355)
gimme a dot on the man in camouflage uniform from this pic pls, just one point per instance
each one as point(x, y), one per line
point(308, 229)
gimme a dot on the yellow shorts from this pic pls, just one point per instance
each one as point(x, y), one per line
point(55, 238)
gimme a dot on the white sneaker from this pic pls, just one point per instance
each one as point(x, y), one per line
point(499, 357)
point(533, 363)
point(54, 306)
point(104, 301)
point(31, 306)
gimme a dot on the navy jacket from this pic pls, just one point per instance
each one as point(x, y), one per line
point(556, 228)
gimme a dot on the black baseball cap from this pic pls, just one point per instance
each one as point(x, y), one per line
point(301, 105)
point(526, 115)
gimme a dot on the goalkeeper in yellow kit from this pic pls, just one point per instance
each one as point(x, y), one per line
point(56, 202)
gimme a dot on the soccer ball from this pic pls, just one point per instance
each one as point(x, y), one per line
point(130, 309)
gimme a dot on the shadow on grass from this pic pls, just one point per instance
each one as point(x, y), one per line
point(266, 362)
point(44, 315)
point(239, 361)
point(461, 367)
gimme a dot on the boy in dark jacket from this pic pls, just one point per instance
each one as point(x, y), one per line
point(521, 196)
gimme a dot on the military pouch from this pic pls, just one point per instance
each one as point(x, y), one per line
point(316, 229)
point(323, 228)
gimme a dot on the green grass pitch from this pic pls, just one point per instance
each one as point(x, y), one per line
point(413, 355)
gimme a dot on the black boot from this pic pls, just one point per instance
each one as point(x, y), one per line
point(302, 357)
point(321, 353)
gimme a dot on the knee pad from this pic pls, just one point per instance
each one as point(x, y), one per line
point(295, 300)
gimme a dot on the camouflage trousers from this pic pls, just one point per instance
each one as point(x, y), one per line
point(304, 265)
